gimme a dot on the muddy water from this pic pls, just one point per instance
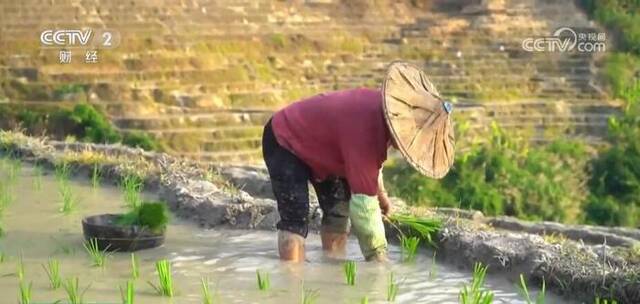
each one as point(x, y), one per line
point(35, 228)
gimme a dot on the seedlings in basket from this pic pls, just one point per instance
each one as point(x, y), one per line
point(131, 187)
point(350, 272)
point(392, 288)
point(151, 215)
point(135, 269)
point(95, 176)
point(264, 283)
point(24, 292)
point(52, 269)
point(127, 294)
point(524, 292)
point(207, 295)
point(409, 247)
point(475, 294)
point(98, 257)
point(69, 200)
point(165, 281)
point(308, 296)
point(74, 294)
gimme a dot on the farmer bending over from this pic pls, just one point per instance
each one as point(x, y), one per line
point(338, 141)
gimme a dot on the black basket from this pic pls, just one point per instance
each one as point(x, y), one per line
point(113, 237)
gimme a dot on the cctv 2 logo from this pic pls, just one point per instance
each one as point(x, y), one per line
point(68, 38)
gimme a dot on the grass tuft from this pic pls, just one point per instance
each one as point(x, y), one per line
point(409, 247)
point(128, 293)
point(392, 288)
point(475, 294)
point(165, 280)
point(98, 257)
point(350, 272)
point(52, 269)
point(264, 283)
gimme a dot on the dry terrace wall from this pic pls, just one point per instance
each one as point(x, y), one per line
point(204, 75)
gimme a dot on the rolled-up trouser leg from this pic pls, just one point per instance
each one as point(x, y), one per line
point(367, 225)
point(289, 180)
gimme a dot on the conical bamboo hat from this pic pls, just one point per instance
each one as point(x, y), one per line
point(418, 119)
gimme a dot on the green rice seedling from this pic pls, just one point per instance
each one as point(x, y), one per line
point(433, 271)
point(364, 300)
point(52, 269)
point(62, 172)
point(15, 166)
point(24, 292)
point(98, 257)
point(423, 227)
point(128, 293)
point(409, 247)
point(135, 266)
point(37, 178)
point(69, 201)
point(605, 301)
point(20, 268)
point(350, 272)
point(95, 176)
point(524, 291)
point(131, 187)
point(5, 195)
point(475, 294)
point(309, 296)
point(165, 281)
point(3, 256)
point(207, 295)
point(264, 283)
point(74, 294)
point(392, 288)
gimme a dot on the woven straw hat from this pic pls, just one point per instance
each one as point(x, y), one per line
point(418, 119)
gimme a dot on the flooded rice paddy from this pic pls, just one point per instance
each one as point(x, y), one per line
point(35, 229)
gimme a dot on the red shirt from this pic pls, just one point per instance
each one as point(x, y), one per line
point(341, 133)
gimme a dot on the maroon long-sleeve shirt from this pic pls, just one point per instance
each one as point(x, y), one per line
point(341, 133)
